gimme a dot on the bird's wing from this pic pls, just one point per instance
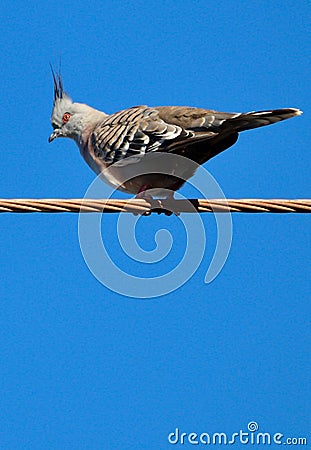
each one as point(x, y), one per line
point(139, 130)
point(223, 127)
point(209, 134)
point(194, 118)
point(199, 118)
point(197, 133)
point(132, 132)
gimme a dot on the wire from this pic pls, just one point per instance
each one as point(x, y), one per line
point(146, 206)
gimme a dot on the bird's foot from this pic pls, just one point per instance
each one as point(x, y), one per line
point(170, 198)
point(143, 194)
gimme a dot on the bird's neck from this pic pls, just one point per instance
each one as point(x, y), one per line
point(89, 122)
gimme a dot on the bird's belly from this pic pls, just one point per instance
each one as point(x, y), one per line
point(153, 171)
point(135, 184)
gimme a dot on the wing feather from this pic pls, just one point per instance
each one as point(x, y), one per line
point(134, 131)
point(193, 132)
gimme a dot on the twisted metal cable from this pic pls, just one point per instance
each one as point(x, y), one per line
point(146, 206)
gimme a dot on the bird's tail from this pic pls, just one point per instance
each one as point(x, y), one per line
point(249, 120)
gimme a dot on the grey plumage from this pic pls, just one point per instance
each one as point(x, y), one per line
point(196, 133)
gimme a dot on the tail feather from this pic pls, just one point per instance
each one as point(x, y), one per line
point(255, 119)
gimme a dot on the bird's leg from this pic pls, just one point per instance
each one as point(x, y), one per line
point(142, 193)
point(170, 195)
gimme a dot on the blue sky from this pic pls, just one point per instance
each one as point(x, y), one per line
point(83, 367)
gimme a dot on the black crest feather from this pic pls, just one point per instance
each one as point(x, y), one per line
point(58, 84)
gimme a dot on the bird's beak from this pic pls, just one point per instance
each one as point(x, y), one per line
point(56, 133)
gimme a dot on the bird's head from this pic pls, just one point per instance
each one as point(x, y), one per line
point(68, 118)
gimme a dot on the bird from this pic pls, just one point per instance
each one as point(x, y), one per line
point(124, 147)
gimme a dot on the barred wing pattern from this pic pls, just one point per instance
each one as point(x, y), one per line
point(132, 132)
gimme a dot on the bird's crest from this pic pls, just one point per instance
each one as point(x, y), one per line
point(62, 102)
point(58, 84)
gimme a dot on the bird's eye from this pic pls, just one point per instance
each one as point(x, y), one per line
point(66, 117)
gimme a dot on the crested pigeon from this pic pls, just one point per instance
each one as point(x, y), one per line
point(127, 138)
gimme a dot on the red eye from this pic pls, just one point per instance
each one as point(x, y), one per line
point(66, 117)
